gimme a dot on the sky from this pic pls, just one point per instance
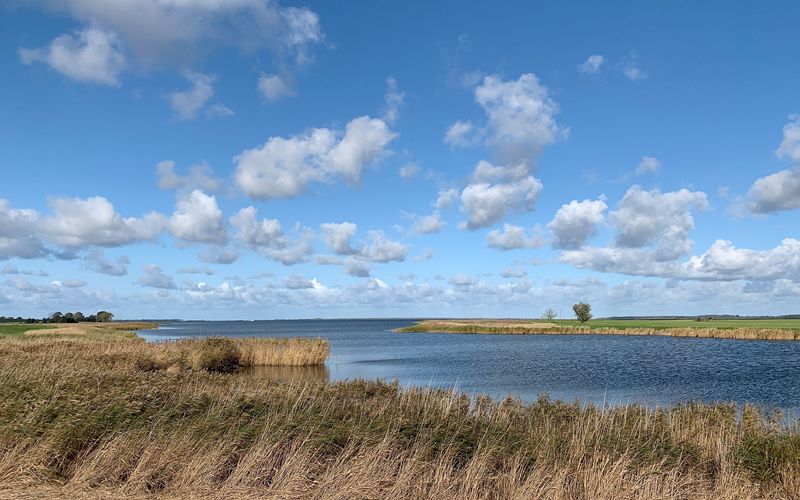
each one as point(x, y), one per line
point(248, 159)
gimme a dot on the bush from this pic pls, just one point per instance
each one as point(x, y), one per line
point(215, 354)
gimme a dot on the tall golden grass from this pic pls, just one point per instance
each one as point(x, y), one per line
point(535, 328)
point(79, 419)
point(282, 351)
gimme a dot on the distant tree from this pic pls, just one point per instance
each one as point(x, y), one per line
point(79, 317)
point(583, 311)
point(91, 318)
point(104, 316)
point(549, 314)
point(57, 317)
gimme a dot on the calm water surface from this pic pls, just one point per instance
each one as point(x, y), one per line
point(655, 371)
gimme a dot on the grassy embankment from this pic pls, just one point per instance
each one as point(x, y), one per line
point(720, 329)
point(82, 415)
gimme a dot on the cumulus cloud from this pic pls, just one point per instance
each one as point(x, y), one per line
point(648, 165)
point(652, 217)
point(267, 237)
point(445, 198)
point(153, 277)
point(80, 222)
point(462, 134)
point(521, 117)
point(495, 192)
point(175, 31)
point(576, 222)
point(382, 249)
point(275, 87)
point(18, 235)
point(520, 124)
point(780, 191)
point(96, 261)
point(462, 280)
point(428, 224)
point(199, 176)
point(283, 167)
point(214, 254)
point(188, 103)
point(592, 64)
point(514, 238)
point(357, 268)
point(297, 282)
point(723, 261)
point(337, 237)
point(394, 99)
point(198, 219)
point(89, 55)
point(514, 272)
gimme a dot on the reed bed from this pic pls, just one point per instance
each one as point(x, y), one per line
point(535, 328)
point(79, 419)
point(283, 351)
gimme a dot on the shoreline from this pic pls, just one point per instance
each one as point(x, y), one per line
point(516, 327)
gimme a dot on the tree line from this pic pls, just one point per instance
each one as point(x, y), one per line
point(59, 317)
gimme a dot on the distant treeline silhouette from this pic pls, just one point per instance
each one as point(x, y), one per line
point(59, 317)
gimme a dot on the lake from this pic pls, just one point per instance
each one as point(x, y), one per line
point(655, 371)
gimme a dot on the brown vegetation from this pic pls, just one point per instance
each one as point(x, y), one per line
point(511, 327)
point(79, 418)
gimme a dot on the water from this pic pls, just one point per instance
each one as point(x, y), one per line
point(655, 371)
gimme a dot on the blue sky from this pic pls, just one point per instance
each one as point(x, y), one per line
point(251, 160)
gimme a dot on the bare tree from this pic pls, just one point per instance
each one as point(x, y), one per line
point(549, 314)
point(583, 311)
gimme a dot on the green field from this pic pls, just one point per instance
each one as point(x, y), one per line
point(791, 324)
point(17, 329)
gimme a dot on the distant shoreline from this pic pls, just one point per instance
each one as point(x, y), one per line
point(726, 329)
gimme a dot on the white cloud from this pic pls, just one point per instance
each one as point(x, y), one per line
point(198, 219)
point(631, 68)
point(776, 192)
point(394, 99)
point(267, 236)
point(428, 224)
point(521, 117)
point(514, 272)
point(178, 31)
point(218, 255)
point(592, 64)
point(97, 262)
point(188, 103)
point(80, 222)
point(18, 236)
point(284, 167)
point(356, 268)
point(462, 280)
point(514, 237)
point(462, 134)
point(199, 176)
point(648, 165)
point(153, 277)
point(337, 237)
point(275, 87)
point(780, 191)
point(445, 198)
point(576, 222)
point(409, 170)
point(790, 145)
point(486, 203)
point(652, 217)
point(89, 55)
point(297, 282)
point(382, 249)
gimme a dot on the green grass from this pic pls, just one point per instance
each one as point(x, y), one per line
point(17, 329)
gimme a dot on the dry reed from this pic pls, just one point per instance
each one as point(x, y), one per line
point(526, 328)
point(78, 419)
